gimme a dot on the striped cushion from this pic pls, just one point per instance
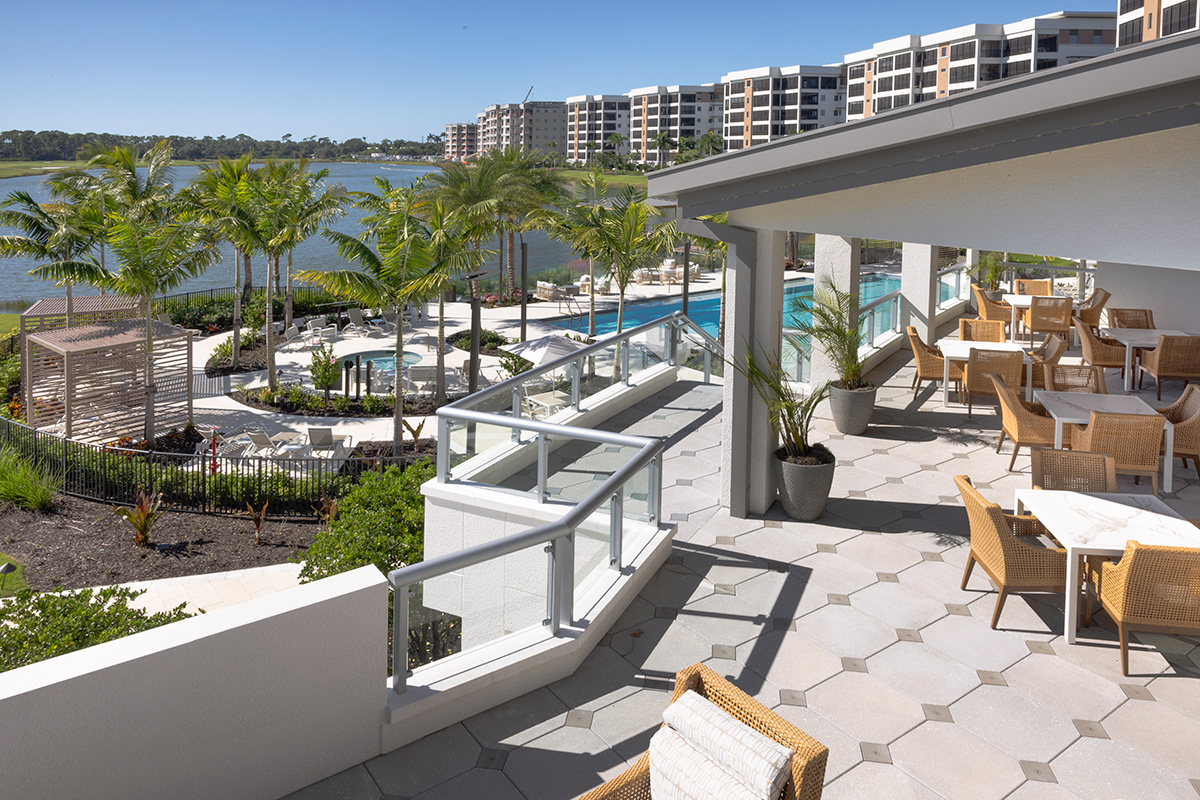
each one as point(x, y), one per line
point(679, 770)
point(757, 760)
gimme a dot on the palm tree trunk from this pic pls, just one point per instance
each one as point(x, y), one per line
point(398, 411)
point(70, 305)
point(150, 388)
point(287, 303)
point(441, 351)
point(248, 287)
point(237, 307)
point(269, 317)
point(512, 269)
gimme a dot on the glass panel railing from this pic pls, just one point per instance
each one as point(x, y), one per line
point(599, 371)
point(433, 633)
point(795, 357)
point(635, 495)
point(592, 549)
point(479, 451)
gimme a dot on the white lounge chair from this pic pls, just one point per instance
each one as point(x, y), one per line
point(360, 326)
point(322, 443)
point(291, 336)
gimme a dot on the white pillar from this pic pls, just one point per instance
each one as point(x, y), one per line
point(836, 259)
point(973, 256)
point(919, 289)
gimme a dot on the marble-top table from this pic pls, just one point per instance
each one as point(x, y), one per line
point(1075, 408)
point(957, 350)
point(1023, 302)
point(1137, 339)
point(1101, 524)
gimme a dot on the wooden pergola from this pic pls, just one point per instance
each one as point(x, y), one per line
point(89, 382)
point(51, 313)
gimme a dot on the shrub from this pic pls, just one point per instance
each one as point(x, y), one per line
point(10, 377)
point(142, 516)
point(326, 369)
point(381, 521)
point(488, 340)
point(341, 404)
point(378, 403)
point(25, 484)
point(39, 626)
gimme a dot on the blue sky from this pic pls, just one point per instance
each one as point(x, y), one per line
point(401, 70)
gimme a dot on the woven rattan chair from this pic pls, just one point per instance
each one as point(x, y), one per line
point(930, 363)
point(1049, 315)
point(980, 330)
point(1027, 424)
point(981, 364)
point(992, 310)
point(1130, 318)
point(1152, 588)
point(1040, 286)
point(808, 765)
point(999, 546)
point(1073, 471)
point(1099, 351)
point(1133, 440)
point(1184, 414)
point(1048, 353)
point(1074, 378)
point(1090, 311)
point(1175, 358)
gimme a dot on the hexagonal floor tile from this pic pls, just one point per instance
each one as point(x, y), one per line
point(724, 619)
point(782, 595)
point(975, 644)
point(925, 674)
point(425, 763)
point(789, 660)
point(864, 707)
point(897, 605)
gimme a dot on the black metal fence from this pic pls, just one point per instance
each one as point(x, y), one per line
point(291, 487)
point(9, 345)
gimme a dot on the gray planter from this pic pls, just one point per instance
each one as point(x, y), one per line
point(852, 408)
point(803, 489)
point(996, 295)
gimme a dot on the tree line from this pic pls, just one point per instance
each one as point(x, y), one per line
point(17, 145)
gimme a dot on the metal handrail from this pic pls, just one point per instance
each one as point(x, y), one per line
point(878, 301)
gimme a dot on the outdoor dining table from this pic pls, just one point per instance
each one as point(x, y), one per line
point(1101, 524)
point(548, 402)
point(958, 350)
point(1075, 408)
point(1137, 339)
point(1019, 303)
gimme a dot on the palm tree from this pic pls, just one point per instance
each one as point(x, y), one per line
point(578, 223)
point(615, 140)
point(521, 188)
point(663, 143)
point(633, 235)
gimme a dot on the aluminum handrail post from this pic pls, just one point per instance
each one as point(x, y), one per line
point(516, 412)
point(871, 328)
point(672, 353)
point(624, 345)
point(400, 638)
point(616, 529)
point(707, 365)
point(896, 315)
point(576, 372)
point(551, 620)
point(654, 491)
point(543, 442)
point(564, 580)
point(443, 454)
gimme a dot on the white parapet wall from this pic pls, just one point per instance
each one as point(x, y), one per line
point(251, 701)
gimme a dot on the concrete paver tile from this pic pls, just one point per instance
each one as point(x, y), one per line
point(627, 725)
point(925, 755)
point(563, 763)
point(1104, 768)
point(973, 643)
point(518, 721)
point(846, 631)
point(865, 707)
point(1167, 736)
point(844, 752)
point(925, 674)
point(724, 619)
point(352, 784)
point(425, 763)
point(897, 605)
point(1014, 723)
point(870, 779)
point(488, 783)
point(789, 660)
point(1073, 691)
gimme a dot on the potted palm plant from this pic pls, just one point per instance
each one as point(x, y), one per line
point(989, 271)
point(826, 318)
point(803, 470)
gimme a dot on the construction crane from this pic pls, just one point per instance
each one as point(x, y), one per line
point(527, 95)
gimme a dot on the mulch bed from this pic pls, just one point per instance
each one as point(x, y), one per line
point(81, 543)
point(250, 359)
point(414, 406)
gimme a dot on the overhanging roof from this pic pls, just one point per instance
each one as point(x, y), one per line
point(87, 304)
point(111, 335)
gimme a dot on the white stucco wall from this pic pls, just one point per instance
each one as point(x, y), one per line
point(1173, 294)
point(251, 701)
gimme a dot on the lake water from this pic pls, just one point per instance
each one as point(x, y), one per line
point(316, 253)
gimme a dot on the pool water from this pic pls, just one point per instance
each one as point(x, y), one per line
point(704, 308)
point(384, 359)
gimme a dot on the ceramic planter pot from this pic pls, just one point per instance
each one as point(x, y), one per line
point(803, 488)
point(852, 408)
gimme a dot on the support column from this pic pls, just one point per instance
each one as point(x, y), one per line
point(973, 256)
point(919, 288)
point(837, 259)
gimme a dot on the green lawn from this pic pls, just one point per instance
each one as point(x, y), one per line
point(13, 581)
point(17, 169)
point(613, 180)
point(1022, 258)
point(8, 322)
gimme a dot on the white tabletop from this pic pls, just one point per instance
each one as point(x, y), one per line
point(1077, 407)
point(1026, 300)
point(957, 349)
point(1102, 523)
point(1139, 337)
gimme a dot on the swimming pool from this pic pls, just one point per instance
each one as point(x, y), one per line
point(704, 308)
point(384, 359)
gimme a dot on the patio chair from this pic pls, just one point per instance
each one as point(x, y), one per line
point(1049, 315)
point(1184, 414)
point(1133, 440)
point(1039, 286)
point(992, 310)
point(1073, 471)
point(1099, 351)
point(642, 276)
point(263, 445)
point(1051, 350)
point(291, 336)
point(323, 443)
point(1175, 358)
point(983, 363)
point(1131, 318)
point(808, 764)
point(359, 326)
point(1027, 424)
point(980, 330)
point(1002, 544)
point(1074, 378)
point(1090, 311)
point(1152, 588)
point(930, 363)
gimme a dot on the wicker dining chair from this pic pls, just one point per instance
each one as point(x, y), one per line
point(1049, 315)
point(1153, 588)
point(1097, 350)
point(980, 330)
point(982, 363)
point(1048, 353)
point(1175, 358)
point(1075, 378)
point(930, 363)
point(1090, 310)
point(1184, 414)
point(1000, 544)
point(808, 764)
point(992, 310)
point(1041, 286)
point(1073, 471)
point(1130, 318)
point(1133, 440)
point(1027, 424)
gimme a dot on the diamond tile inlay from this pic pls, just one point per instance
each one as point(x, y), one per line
point(908, 635)
point(854, 664)
point(877, 753)
point(491, 758)
point(958, 609)
point(579, 719)
point(1093, 730)
point(792, 697)
point(1135, 692)
point(989, 678)
point(937, 713)
point(1037, 771)
point(1041, 648)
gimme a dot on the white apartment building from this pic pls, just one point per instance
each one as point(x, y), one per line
point(1146, 20)
point(461, 140)
point(678, 111)
point(768, 103)
point(914, 69)
point(535, 125)
point(594, 118)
